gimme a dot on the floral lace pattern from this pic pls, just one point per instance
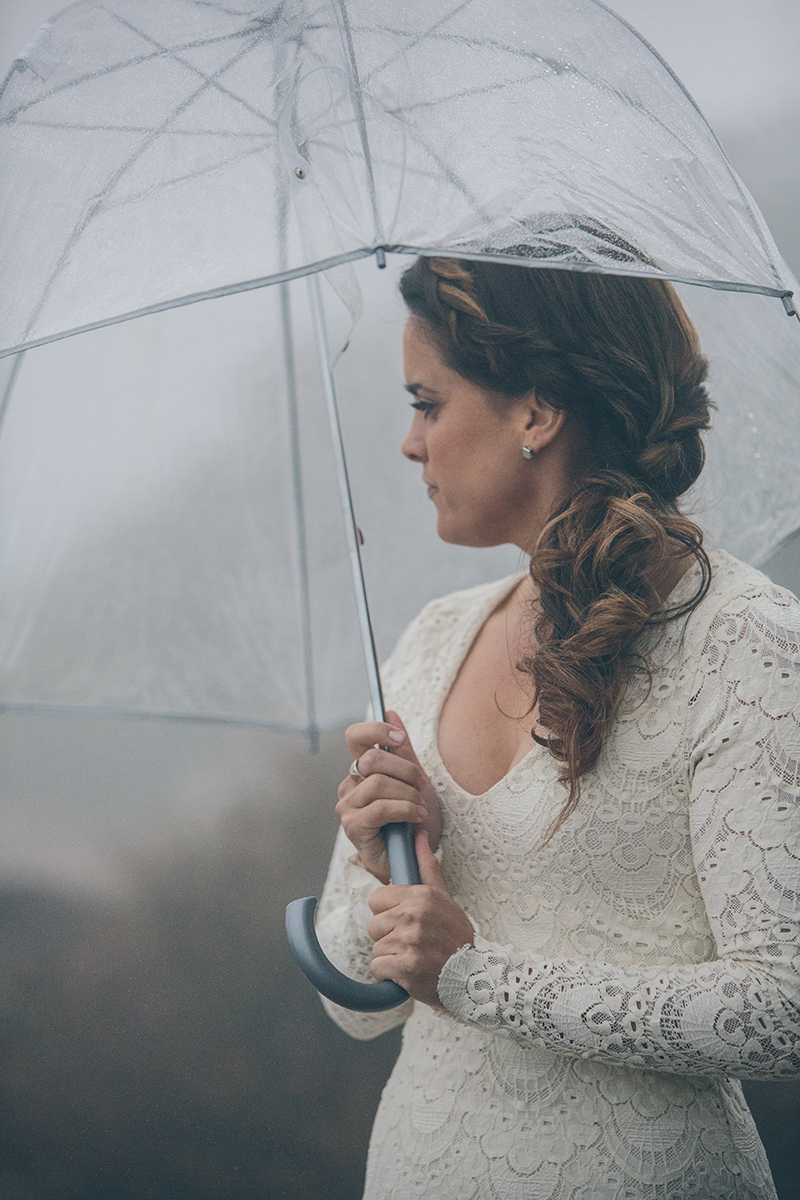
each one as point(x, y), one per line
point(636, 966)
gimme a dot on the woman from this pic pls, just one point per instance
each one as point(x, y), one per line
point(605, 755)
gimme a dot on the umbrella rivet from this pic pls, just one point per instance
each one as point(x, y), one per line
point(300, 172)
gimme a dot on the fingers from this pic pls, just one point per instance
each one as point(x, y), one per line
point(391, 733)
point(382, 926)
point(387, 898)
point(364, 808)
point(402, 749)
point(391, 787)
point(377, 788)
point(362, 736)
point(378, 802)
point(430, 872)
point(399, 783)
point(398, 930)
point(381, 762)
point(415, 931)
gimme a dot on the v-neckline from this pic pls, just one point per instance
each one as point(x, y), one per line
point(495, 598)
point(465, 644)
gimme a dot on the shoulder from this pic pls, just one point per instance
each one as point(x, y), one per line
point(742, 610)
point(743, 642)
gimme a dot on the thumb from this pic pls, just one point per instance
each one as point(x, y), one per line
point(430, 873)
point(406, 750)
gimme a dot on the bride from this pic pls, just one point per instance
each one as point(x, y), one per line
point(602, 760)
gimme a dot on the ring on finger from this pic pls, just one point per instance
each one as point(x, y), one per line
point(354, 771)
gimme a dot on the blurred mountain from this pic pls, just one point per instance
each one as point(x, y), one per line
point(158, 1043)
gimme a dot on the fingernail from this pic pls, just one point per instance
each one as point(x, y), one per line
point(397, 736)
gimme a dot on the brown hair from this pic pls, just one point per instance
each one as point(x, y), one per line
point(619, 355)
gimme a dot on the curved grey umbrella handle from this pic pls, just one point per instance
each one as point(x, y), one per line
point(309, 956)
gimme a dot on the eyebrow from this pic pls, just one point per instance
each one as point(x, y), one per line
point(415, 387)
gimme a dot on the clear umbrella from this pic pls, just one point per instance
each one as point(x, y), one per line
point(159, 152)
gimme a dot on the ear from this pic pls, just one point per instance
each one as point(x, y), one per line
point(541, 422)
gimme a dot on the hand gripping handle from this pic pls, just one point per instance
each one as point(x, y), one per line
point(309, 956)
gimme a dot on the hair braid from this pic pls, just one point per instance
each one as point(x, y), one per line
point(620, 356)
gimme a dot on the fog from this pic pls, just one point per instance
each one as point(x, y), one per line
point(155, 1039)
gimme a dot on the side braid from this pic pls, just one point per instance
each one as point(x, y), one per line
point(620, 356)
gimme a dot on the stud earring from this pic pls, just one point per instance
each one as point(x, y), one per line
point(528, 452)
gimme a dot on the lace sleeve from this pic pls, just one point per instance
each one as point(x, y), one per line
point(734, 1016)
point(342, 930)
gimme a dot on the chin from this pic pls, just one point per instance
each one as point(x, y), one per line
point(477, 539)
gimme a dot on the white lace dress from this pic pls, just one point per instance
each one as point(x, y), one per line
point(629, 972)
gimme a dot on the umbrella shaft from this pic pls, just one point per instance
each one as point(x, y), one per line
point(345, 498)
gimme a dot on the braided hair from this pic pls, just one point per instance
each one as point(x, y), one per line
point(620, 357)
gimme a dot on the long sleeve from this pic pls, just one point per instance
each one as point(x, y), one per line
point(738, 1014)
point(342, 930)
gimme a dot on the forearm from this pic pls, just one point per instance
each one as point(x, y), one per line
point(723, 1018)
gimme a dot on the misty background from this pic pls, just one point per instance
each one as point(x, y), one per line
point(156, 1041)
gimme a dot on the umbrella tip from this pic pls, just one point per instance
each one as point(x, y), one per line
point(380, 257)
point(788, 304)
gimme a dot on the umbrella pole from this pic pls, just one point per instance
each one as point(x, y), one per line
point(400, 837)
point(352, 532)
point(362, 997)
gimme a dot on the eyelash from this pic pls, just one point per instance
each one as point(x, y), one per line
point(423, 406)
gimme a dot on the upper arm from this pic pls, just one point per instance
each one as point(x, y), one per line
point(744, 727)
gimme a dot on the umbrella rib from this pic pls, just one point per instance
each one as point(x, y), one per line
point(743, 193)
point(149, 714)
point(212, 80)
point(300, 517)
point(70, 83)
point(717, 285)
point(137, 61)
point(290, 364)
point(249, 285)
point(209, 169)
point(435, 101)
point(12, 379)
point(448, 172)
point(99, 202)
point(230, 289)
point(358, 105)
point(216, 133)
point(414, 40)
point(557, 65)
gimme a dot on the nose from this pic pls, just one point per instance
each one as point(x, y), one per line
point(413, 444)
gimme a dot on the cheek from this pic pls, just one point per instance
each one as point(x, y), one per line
point(470, 447)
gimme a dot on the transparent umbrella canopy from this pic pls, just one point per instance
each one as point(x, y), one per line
point(162, 152)
point(157, 152)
